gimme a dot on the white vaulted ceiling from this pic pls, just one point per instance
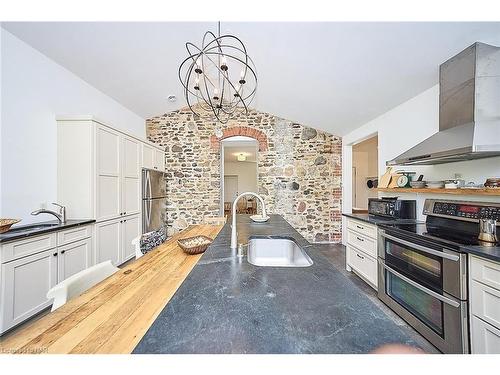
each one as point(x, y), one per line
point(332, 76)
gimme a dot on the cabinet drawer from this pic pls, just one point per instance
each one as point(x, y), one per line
point(485, 338)
point(485, 272)
point(363, 228)
point(28, 246)
point(485, 303)
point(366, 244)
point(73, 234)
point(364, 265)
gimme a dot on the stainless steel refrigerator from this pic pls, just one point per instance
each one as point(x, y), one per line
point(154, 200)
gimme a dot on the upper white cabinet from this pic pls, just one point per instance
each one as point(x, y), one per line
point(130, 180)
point(109, 173)
point(153, 158)
point(148, 156)
point(159, 160)
point(99, 169)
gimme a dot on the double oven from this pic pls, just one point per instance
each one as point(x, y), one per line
point(425, 282)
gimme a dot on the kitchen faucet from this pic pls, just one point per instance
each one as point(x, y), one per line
point(61, 215)
point(234, 235)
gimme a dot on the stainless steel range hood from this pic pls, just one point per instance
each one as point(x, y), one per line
point(469, 110)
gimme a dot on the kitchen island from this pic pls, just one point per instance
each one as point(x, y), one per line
point(227, 305)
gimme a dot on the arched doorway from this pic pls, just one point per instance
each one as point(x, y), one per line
point(239, 173)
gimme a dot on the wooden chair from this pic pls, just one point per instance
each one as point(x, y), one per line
point(75, 285)
point(214, 220)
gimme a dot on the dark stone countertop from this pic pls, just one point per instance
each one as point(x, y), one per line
point(227, 305)
point(22, 231)
point(377, 220)
point(489, 252)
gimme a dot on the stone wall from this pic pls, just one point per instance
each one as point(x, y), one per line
point(299, 169)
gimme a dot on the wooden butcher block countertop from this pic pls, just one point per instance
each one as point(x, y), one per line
point(115, 314)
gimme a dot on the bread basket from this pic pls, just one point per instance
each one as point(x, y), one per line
point(194, 245)
point(5, 224)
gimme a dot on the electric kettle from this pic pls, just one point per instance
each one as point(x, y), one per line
point(488, 230)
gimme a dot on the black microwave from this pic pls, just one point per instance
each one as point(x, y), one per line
point(393, 208)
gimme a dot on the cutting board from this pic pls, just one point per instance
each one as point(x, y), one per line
point(394, 180)
point(385, 179)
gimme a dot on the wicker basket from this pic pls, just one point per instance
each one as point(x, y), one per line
point(5, 224)
point(192, 250)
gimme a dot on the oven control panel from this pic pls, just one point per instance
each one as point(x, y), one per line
point(466, 210)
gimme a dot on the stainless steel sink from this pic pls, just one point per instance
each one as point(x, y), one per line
point(276, 252)
point(33, 227)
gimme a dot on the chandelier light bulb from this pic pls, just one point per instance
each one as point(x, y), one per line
point(198, 66)
point(242, 77)
point(216, 94)
point(223, 64)
point(237, 90)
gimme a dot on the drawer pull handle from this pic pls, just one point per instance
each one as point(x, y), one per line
point(359, 256)
point(359, 227)
point(55, 254)
point(360, 239)
point(62, 252)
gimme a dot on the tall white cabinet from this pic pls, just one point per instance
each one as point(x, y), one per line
point(99, 176)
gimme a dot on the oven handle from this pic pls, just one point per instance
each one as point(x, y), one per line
point(423, 289)
point(422, 248)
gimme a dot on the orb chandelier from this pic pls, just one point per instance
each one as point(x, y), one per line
point(219, 77)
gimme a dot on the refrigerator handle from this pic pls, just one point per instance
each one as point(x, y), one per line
point(150, 203)
point(148, 185)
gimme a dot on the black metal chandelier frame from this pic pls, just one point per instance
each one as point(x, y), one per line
point(198, 85)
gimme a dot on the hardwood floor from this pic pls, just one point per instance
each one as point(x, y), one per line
point(115, 314)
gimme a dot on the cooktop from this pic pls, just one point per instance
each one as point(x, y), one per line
point(445, 234)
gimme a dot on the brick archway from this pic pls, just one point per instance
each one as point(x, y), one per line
point(243, 131)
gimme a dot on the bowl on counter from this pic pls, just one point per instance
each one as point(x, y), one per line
point(418, 184)
point(435, 184)
point(5, 224)
point(492, 183)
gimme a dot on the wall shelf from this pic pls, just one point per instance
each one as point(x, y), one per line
point(490, 191)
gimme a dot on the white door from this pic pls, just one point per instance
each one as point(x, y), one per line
point(108, 174)
point(108, 241)
point(230, 188)
point(148, 156)
point(73, 258)
point(25, 283)
point(131, 230)
point(130, 176)
point(159, 160)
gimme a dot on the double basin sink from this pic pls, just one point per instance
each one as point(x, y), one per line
point(276, 252)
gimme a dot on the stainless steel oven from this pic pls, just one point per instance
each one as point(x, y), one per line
point(425, 283)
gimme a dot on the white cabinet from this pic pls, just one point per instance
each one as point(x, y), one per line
point(73, 258)
point(131, 229)
point(484, 286)
point(361, 250)
point(99, 169)
point(148, 156)
point(31, 266)
point(108, 241)
point(25, 283)
point(130, 176)
point(159, 160)
point(114, 239)
point(109, 179)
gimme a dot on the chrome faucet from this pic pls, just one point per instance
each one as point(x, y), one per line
point(61, 215)
point(234, 235)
